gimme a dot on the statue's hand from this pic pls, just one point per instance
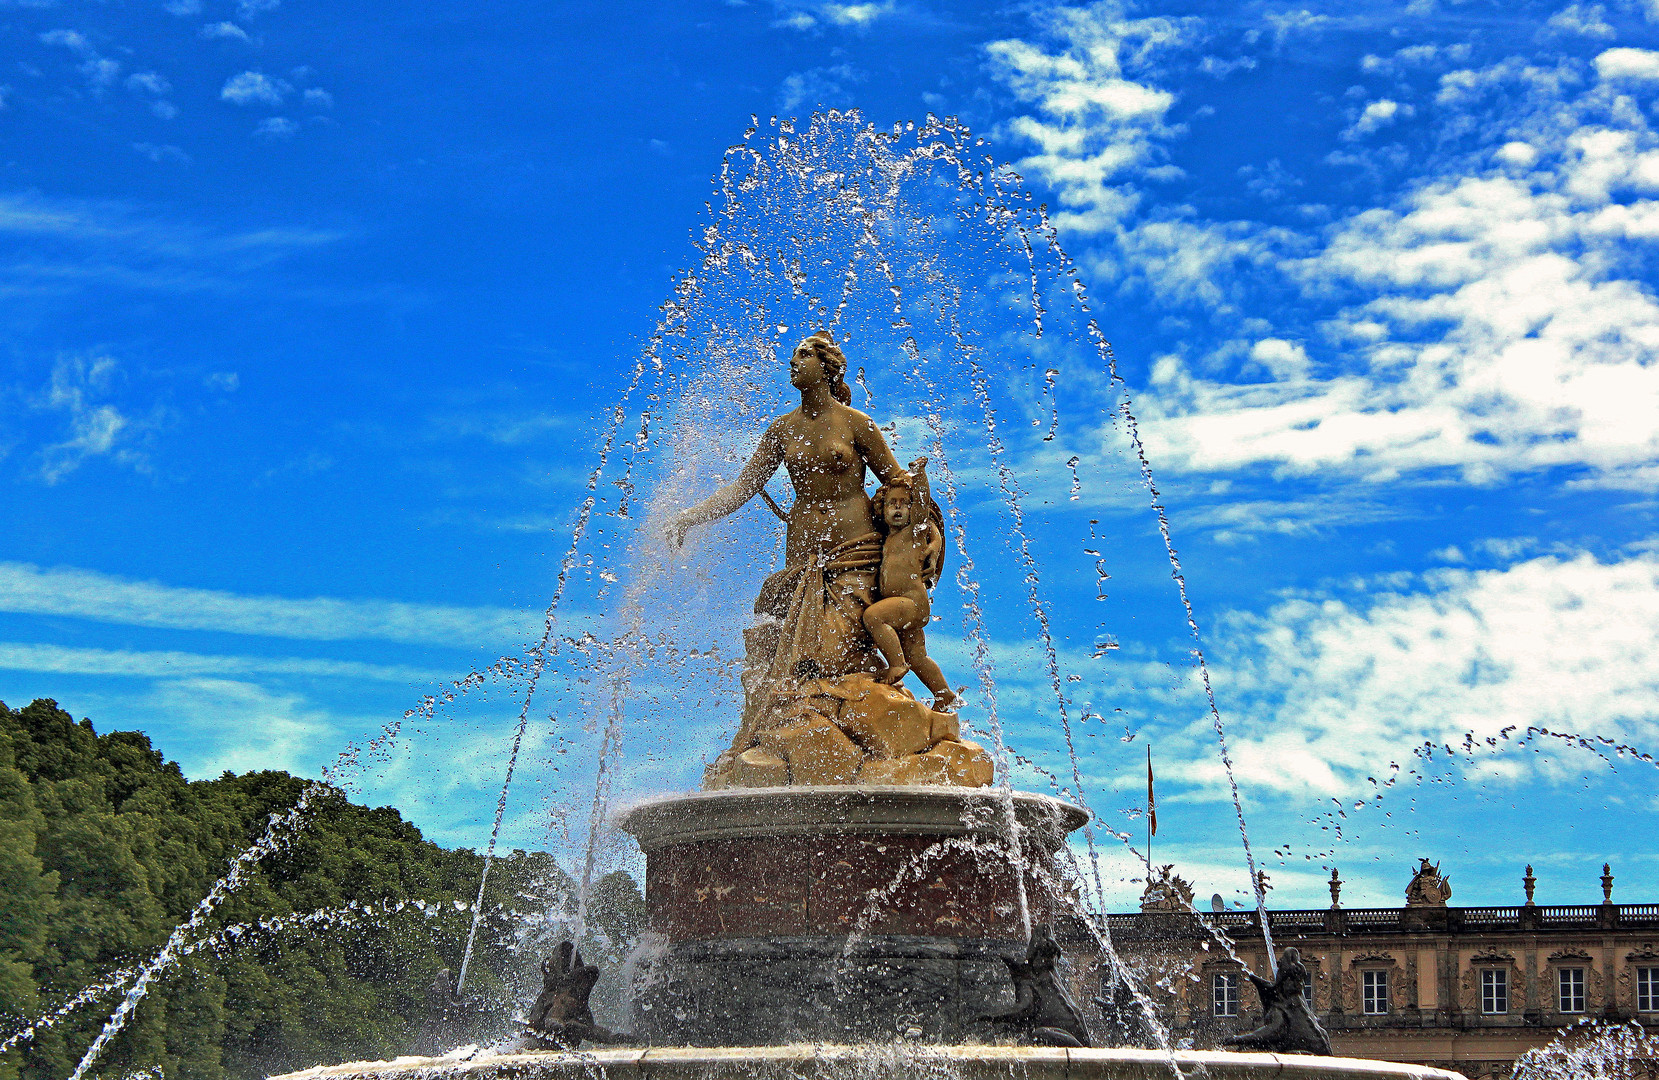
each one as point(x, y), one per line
point(676, 530)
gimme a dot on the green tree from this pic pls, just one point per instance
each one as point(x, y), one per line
point(105, 847)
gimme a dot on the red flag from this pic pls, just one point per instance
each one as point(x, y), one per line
point(1151, 803)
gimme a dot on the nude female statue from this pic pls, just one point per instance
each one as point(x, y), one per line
point(832, 552)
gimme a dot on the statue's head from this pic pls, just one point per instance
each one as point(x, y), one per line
point(1043, 950)
point(1291, 968)
point(820, 359)
point(894, 505)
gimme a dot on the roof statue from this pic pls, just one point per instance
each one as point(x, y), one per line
point(1428, 888)
point(1166, 891)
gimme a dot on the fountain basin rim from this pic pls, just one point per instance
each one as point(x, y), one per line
point(965, 1062)
point(733, 813)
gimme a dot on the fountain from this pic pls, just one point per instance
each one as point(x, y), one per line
point(852, 890)
point(858, 888)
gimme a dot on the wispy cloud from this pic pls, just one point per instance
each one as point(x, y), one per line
point(254, 88)
point(1490, 315)
point(1099, 122)
point(164, 664)
point(1565, 642)
point(75, 241)
point(816, 14)
point(224, 30)
point(162, 153)
point(100, 71)
point(87, 594)
point(238, 726)
point(276, 127)
point(823, 86)
point(96, 427)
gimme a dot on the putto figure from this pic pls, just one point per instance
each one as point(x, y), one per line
point(911, 557)
point(561, 1019)
point(1042, 1013)
point(1288, 1023)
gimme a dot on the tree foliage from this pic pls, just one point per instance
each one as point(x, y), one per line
point(326, 954)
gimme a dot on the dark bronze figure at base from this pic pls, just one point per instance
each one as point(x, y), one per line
point(1288, 1024)
point(560, 1019)
point(450, 1018)
point(1043, 1013)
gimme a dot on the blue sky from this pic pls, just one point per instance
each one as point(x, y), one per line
point(313, 320)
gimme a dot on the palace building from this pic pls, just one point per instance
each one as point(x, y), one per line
point(1467, 989)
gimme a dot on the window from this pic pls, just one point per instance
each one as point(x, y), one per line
point(1494, 991)
point(1570, 989)
point(1647, 989)
point(1307, 991)
point(1373, 992)
point(1224, 992)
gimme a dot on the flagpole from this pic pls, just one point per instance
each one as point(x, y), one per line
point(1151, 814)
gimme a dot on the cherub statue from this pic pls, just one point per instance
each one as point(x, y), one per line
point(1288, 1023)
point(561, 1018)
point(1042, 1011)
point(912, 556)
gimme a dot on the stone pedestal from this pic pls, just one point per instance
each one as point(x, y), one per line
point(831, 914)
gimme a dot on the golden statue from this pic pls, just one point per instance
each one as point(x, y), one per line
point(820, 707)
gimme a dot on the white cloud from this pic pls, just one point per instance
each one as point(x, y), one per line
point(819, 86)
point(319, 99)
point(73, 40)
point(254, 88)
point(1492, 316)
point(182, 8)
point(101, 73)
point(813, 14)
point(276, 127)
point(1585, 20)
point(224, 30)
point(161, 153)
point(96, 428)
point(87, 594)
point(15, 656)
point(1097, 125)
point(240, 726)
point(249, 9)
point(1567, 643)
point(147, 81)
point(1375, 116)
point(1640, 65)
point(1300, 21)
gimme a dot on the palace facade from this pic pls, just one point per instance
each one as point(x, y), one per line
point(1463, 988)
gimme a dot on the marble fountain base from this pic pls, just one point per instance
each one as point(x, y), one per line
point(844, 914)
point(846, 933)
point(825, 1062)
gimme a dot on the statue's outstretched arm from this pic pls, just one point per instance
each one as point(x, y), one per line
point(762, 464)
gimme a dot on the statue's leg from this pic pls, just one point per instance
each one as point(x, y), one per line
point(926, 668)
point(880, 619)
